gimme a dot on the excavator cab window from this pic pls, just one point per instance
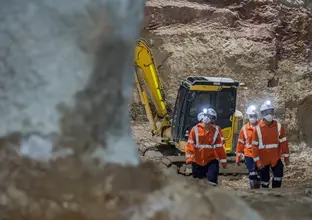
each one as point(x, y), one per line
point(198, 103)
point(178, 112)
point(223, 102)
point(226, 103)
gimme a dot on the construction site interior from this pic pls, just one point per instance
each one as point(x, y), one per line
point(68, 88)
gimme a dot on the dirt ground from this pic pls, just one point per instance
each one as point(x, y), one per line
point(292, 201)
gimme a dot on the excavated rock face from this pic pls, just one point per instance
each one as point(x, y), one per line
point(304, 117)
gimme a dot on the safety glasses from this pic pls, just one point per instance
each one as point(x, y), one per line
point(268, 112)
point(212, 118)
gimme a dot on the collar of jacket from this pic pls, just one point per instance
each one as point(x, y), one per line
point(201, 125)
point(250, 127)
point(263, 124)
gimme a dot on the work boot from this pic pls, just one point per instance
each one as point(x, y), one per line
point(264, 186)
point(276, 184)
point(212, 183)
point(257, 184)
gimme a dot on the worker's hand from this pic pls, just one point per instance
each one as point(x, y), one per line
point(188, 162)
point(260, 166)
point(238, 163)
point(224, 165)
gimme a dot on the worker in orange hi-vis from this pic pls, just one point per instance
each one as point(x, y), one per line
point(269, 145)
point(244, 147)
point(204, 149)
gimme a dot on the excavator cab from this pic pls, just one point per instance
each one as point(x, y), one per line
point(195, 94)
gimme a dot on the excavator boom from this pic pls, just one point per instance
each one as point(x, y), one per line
point(145, 62)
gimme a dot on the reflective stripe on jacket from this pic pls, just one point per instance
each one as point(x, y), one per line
point(269, 143)
point(204, 145)
point(222, 137)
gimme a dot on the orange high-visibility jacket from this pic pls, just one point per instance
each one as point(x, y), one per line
point(269, 143)
point(244, 142)
point(204, 146)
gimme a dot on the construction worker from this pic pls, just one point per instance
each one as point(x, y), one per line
point(204, 149)
point(244, 147)
point(269, 145)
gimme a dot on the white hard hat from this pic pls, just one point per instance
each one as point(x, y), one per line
point(200, 116)
point(251, 110)
point(209, 112)
point(266, 106)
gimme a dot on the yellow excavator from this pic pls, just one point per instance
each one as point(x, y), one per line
point(195, 93)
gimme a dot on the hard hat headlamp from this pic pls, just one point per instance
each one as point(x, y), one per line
point(252, 107)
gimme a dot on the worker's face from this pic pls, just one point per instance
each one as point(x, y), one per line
point(253, 118)
point(268, 114)
point(208, 119)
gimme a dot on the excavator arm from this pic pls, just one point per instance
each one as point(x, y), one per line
point(147, 82)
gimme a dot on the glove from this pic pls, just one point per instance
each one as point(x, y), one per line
point(259, 165)
point(224, 165)
point(188, 162)
point(286, 161)
point(238, 159)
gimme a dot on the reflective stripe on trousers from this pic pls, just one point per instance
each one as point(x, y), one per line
point(265, 183)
